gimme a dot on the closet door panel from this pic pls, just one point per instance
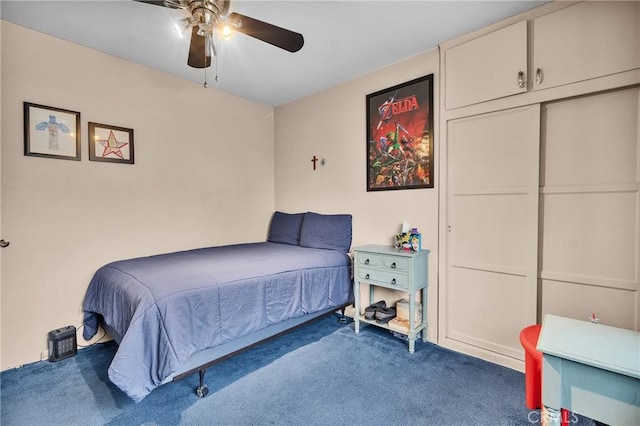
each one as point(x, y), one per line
point(488, 310)
point(601, 150)
point(591, 238)
point(492, 220)
point(580, 302)
point(489, 157)
point(498, 225)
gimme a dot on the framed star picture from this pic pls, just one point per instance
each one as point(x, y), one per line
point(110, 144)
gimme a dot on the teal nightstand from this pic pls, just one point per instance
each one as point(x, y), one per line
point(388, 267)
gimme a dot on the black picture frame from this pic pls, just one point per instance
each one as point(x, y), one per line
point(400, 136)
point(110, 144)
point(51, 132)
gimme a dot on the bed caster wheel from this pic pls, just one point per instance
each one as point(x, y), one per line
point(202, 391)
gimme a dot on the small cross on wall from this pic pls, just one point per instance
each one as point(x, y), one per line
point(314, 160)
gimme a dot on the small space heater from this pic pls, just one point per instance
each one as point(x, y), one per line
point(62, 343)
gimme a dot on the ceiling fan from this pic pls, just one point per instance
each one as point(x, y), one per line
point(210, 16)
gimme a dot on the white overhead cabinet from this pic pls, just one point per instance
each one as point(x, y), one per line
point(588, 40)
point(489, 67)
point(540, 188)
point(581, 42)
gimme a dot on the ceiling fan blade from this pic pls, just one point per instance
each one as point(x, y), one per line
point(156, 2)
point(269, 33)
point(198, 55)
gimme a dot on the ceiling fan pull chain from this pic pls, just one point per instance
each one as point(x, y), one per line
point(216, 65)
point(205, 72)
point(212, 45)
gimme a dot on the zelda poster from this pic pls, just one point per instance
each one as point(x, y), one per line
point(400, 136)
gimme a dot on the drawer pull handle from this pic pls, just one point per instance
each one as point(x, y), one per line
point(393, 281)
point(367, 276)
point(366, 262)
point(393, 265)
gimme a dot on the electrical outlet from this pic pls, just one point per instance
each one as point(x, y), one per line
point(44, 355)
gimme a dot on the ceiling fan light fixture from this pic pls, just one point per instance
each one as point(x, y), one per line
point(205, 20)
point(226, 31)
point(210, 18)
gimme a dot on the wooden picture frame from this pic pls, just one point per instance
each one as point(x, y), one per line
point(51, 132)
point(400, 136)
point(111, 144)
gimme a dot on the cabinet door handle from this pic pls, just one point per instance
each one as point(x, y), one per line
point(520, 79)
point(393, 281)
point(4, 243)
point(366, 262)
point(539, 76)
point(366, 276)
point(393, 265)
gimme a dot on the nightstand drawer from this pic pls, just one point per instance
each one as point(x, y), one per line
point(388, 279)
point(369, 259)
point(395, 263)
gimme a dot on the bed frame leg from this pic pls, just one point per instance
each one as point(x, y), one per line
point(202, 390)
point(343, 319)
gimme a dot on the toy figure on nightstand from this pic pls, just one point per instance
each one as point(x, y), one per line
point(409, 241)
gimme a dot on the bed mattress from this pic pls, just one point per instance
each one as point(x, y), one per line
point(162, 309)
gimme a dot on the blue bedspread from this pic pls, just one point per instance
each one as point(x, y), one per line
point(162, 309)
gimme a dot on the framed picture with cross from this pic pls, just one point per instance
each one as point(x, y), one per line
point(51, 132)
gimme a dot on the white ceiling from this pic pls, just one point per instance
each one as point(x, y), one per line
point(343, 39)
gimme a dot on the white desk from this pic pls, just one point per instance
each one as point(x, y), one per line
point(590, 369)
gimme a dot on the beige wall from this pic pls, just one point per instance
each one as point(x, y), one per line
point(204, 175)
point(195, 178)
point(332, 125)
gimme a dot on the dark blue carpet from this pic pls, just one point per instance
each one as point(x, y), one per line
point(320, 374)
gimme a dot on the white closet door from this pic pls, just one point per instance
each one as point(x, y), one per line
point(492, 219)
point(590, 208)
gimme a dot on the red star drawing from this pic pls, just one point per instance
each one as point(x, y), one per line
point(112, 146)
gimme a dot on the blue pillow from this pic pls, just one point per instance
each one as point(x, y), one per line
point(285, 228)
point(326, 231)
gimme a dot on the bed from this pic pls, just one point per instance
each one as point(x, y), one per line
point(176, 314)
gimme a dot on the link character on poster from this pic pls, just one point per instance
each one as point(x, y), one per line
point(400, 136)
